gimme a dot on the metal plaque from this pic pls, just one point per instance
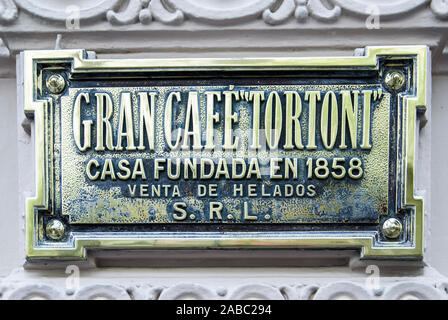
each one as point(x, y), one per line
point(225, 153)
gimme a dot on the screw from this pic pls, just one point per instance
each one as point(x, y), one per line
point(394, 80)
point(392, 228)
point(55, 229)
point(55, 83)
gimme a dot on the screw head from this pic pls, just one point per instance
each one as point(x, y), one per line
point(55, 229)
point(392, 228)
point(394, 80)
point(55, 83)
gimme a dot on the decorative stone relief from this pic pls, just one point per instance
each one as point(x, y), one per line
point(187, 291)
point(8, 11)
point(343, 291)
point(256, 291)
point(34, 292)
point(413, 291)
point(216, 12)
point(331, 291)
point(56, 11)
point(102, 292)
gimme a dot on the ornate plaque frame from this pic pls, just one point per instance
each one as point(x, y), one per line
point(371, 243)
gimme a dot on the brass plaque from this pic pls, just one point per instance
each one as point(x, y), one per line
point(225, 153)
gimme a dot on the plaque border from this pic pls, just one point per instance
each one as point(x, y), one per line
point(367, 241)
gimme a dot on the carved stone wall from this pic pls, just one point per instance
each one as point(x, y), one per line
point(215, 12)
point(160, 28)
point(344, 290)
point(225, 285)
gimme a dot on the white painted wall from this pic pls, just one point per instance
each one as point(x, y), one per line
point(439, 174)
point(10, 220)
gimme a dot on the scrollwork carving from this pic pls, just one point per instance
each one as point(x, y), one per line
point(283, 12)
point(322, 13)
point(8, 11)
point(343, 291)
point(102, 292)
point(412, 291)
point(47, 10)
point(129, 15)
point(333, 290)
point(34, 292)
point(163, 15)
point(187, 291)
point(217, 12)
point(256, 291)
point(390, 8)
point(440, 8)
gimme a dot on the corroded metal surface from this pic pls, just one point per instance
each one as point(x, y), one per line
point(155, 180)
point(289, 152)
